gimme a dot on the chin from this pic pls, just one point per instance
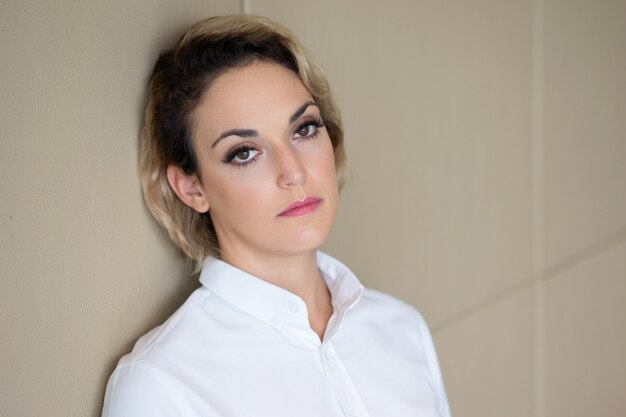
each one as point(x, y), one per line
point(311, 239)
point(304, 240)
point(309, 236)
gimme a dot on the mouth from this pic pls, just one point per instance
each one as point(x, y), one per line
point(301, 208)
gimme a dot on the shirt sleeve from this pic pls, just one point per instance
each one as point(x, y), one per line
point(435, 371)
point(138, 390)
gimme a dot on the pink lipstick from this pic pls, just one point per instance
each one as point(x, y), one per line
point(301, 208)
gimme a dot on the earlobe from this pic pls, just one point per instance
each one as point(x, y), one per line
point(187, 188)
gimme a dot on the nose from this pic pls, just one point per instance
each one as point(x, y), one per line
point(291, 171)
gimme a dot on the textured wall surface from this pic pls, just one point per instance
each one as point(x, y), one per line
point(84, 270)
point(487, 154)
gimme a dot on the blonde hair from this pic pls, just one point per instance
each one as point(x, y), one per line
point(181, 75)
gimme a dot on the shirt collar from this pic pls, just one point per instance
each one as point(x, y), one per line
point(271, 303)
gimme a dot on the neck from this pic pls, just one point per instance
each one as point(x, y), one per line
point(297, 274)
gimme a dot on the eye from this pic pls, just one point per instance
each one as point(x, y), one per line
point(309, 129)
point(242, 156)
point(306, 130)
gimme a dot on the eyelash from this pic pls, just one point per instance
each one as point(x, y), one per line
point(230, 157)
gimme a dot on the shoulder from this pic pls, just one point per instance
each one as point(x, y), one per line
point(392, 319)
point(402, 326)
point(141, 384)
point(165, 336)
point(138, 388)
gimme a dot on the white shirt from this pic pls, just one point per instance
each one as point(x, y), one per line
point(242, 347)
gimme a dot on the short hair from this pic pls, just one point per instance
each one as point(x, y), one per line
point(181, 75)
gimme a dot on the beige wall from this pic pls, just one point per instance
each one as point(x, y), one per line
point(487, 146)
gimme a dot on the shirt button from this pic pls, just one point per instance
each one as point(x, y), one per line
point(293, 307)
point(274, 321)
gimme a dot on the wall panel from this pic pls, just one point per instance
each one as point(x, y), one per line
point(586, 337)
point(585, 127)
point(487, 360)
point(435, 98)
point(84, 270)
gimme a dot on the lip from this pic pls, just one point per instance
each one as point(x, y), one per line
point(301, 208)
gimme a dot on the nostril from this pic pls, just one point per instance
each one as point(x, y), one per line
point(294, 178)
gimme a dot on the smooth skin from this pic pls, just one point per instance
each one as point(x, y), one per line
point(261, 146)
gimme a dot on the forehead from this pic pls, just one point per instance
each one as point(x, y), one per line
point(256, 94)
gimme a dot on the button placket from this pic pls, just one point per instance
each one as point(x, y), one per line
point(278, 320)
point(341, 383)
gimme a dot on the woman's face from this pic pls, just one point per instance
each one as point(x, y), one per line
point(266, 163)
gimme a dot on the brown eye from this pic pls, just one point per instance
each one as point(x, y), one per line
point(306, 131)
point(243, 155)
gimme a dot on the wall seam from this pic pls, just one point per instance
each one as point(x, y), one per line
point(244, 6)
point(537, 164)
point(586, 254)
point(471, 311)
point(551, 272)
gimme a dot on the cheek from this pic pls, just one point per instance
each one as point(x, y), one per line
point(238, 193)
point(322, 172)
point(326, 162)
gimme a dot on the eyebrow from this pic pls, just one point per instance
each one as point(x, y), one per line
point(249, 133)
point(300, 111)
point(244, 133)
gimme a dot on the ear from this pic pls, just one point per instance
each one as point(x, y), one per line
point(187, 188)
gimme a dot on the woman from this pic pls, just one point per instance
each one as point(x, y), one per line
point(239, 155)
